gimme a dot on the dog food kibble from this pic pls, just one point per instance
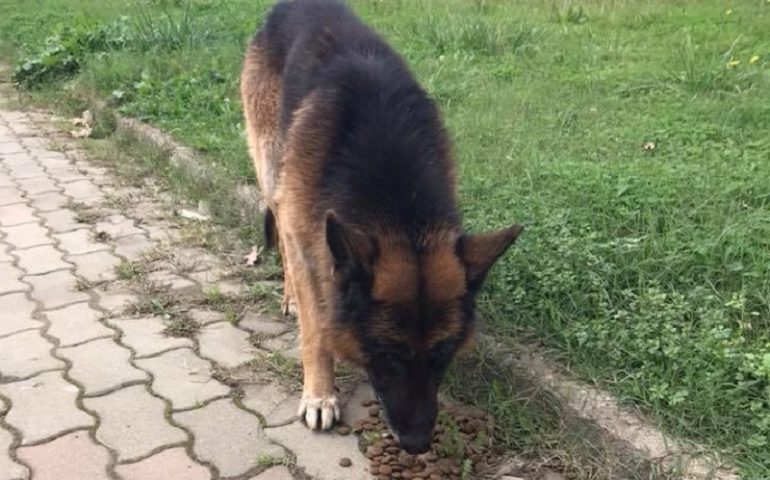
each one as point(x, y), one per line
point(345, 462)
point(462, 439)
point(343, 430)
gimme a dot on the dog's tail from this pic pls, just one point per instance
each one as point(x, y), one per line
point(271, 232)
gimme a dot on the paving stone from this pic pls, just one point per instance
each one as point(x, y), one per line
point(42, 259)
point(9, 468)
point(26, 235)
point(10, 195)
point(16, 314)
point(225, 344)
point(64, 173)
point(276, 405)
point(116, 302)
point(133, 423)
point(26, 353)
point(205, 317)
point(117, 226)
point(79, 242)
point(229, 438)
point(285, 342)
point(11, 148)
point(55, 289)
point(10, 279)
point(145, 336)
point(74, 456)
point(173, 281)
point(5, 256)
point(6, 181)
point(275, 473)
point(16, 214)
point(101, 366)
point(159, 231)
point(60, 221)
point(171, 464)
point(29, 170)
point(47, 202)
point(43, 407)
point(37, 185)
point(263, 325)
point(76, 324)
point(318, 453)
point(82, 190)
point(132, 247)
point(183, 378)
point(96, 266)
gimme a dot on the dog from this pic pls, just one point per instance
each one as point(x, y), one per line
point(359, 181)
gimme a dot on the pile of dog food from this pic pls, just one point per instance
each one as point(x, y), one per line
point(461, 448)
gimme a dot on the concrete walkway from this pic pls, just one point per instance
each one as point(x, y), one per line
point(90, 391)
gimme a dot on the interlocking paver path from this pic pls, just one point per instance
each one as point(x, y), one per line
point(92, 390)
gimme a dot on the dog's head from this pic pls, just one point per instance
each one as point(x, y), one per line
point(406, 310)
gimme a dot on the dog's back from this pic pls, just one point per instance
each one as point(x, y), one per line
point(386, 157)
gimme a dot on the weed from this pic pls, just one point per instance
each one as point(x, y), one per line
point(181, 325)
point(129, 271)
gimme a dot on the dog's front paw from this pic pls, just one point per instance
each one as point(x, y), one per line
point(319, 412)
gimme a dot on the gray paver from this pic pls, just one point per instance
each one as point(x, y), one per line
point(26, 235)
point(5, 256)
point(82, 190)
point(133, 423)
point(276, 405)
point(10, 195)
point(26, 353)
point(74, 456)
point(183, 378)
point(55, 289)
point(46, 202)
point(145, 336)
point(37, 185)
point(16, 314)
point(26, 170)
point(318, 453)
point(42, 259)
point(43, 407)
point(172, 280)
point(117, 226)
point(225, 344)
point(79, 242)
point(132, 247)
point(16, 214)
point(115, 302)
point(60, 221)
point(96, 375)
point(263, 325)
point(275, 473)
point(76, 324)
point(245, 439)
point(171, 464)
point(96, 266)
point(9, 469)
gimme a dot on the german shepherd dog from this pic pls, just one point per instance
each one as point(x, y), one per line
point(358, 177)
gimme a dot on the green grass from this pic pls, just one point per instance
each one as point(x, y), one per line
point(648, 271)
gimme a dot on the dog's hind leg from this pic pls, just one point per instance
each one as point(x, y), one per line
point(260, 94)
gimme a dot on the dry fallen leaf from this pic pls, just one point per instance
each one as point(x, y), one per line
point(193, 215)
point(648, 147)
point(253, 258)
point(84, 122)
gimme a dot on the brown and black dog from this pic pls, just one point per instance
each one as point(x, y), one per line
point(357, 172)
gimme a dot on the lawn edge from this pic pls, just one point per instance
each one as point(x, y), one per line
point(619, 426)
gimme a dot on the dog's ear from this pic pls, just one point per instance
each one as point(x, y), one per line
point(349, 246)
point(480, 252)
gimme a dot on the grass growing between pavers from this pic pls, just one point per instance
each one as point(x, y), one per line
point(631, 136)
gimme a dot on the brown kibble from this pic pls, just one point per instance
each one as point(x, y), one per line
point(343, 430)
point(385, 470)
point(368, 402)
point(374, 451)
point(345, 462)
point(374, 412)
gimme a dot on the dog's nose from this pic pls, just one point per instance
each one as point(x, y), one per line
point(415, 443)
